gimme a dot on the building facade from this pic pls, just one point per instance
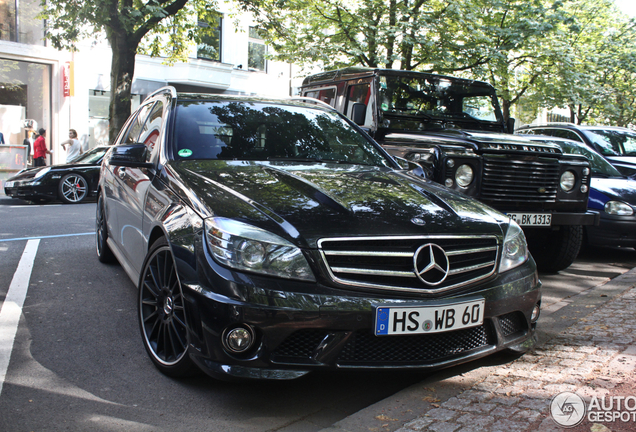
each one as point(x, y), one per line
point(41, 87)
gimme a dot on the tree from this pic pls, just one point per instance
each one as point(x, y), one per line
point(337, 33)
point(127, 24)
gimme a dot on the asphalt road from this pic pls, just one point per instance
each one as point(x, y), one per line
point(78, 364)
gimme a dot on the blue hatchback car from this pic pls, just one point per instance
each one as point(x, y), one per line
point(611, 194)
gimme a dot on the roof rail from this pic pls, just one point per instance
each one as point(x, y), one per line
point(164, 89)
point(311, 100)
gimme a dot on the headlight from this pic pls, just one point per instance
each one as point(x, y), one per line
point(245, 247)
point(464, 175)
point(515, 249)
point(618, 208)
point(568, 179)
point(42, 172)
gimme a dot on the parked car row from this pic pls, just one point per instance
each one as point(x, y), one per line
point(271, 238)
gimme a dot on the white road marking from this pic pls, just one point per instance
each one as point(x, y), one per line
point(12, 306)
point(47, 237)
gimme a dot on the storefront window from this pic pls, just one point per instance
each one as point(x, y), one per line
point(25, 99)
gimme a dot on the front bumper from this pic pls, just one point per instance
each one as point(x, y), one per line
point(325, 328)
point(31, 192)
point(613, 232)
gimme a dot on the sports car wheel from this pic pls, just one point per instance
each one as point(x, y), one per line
point(73, 189)
point(162, 314)
point(104, 254)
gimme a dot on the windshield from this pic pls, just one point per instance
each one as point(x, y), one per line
point(266, 131)
point(614, 142)
point(438, 98)
point(598, 164)
point(92, 156)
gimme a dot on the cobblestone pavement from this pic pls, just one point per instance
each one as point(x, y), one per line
point(587, 345)
point(595, 356)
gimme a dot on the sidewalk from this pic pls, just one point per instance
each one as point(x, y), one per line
point(587, 347)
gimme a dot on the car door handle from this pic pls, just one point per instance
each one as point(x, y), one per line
point(121, 172)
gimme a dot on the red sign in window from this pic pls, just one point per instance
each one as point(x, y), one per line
point(68, 79)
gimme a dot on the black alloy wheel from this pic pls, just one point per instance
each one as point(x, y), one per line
point(104, 254)
point(73, 188)
point(162, 314)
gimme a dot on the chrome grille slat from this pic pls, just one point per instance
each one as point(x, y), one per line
point(387, 263)
point(374, 272)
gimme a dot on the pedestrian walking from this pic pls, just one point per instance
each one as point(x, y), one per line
point(74, 149)
point(39, 149)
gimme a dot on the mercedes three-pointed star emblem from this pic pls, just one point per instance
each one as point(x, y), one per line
point(431, 264)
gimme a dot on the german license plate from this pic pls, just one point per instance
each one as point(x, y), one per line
point(531, 219)
point(8, 184)
point(428, 319)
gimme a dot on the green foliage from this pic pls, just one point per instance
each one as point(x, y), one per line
point(537, 53)
point(155, 27)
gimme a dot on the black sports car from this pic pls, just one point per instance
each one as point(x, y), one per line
point(270, 238)
point(71, 183)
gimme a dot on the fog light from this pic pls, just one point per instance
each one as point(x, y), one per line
point(536, 311)
point(238, 340)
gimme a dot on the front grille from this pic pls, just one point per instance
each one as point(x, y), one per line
point(512, 323)
point(367, 349)
point(363, 348)
point(531, 180)
point(300, 345)
point(388, 263)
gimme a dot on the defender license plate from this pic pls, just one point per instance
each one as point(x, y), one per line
point(531, 219)
point(8, 184)
point(430, 319)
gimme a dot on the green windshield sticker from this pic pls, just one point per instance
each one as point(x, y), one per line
point(185, 152)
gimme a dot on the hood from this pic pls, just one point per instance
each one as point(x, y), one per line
point(607, 189)
point(306, 202)
point(480, 141)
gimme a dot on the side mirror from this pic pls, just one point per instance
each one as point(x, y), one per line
point(358, 113)
point(511, 125)
point(132, 155)
point(410, 166)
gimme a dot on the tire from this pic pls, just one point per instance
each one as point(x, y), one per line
point(73, 189)
point(555, 250)
point(104, 254)
point(162, 313)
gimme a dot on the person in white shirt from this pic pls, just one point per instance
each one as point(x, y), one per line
point(74, 148)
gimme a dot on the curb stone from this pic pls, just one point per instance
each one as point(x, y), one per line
point(588, 347)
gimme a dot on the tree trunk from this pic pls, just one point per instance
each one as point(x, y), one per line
point(505, 108)
point(121, 76)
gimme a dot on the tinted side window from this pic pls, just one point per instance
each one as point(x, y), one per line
point(151, 129)
point(132, 134)
point(327, 95)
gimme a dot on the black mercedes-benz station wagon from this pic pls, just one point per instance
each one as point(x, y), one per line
point(271, 238)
